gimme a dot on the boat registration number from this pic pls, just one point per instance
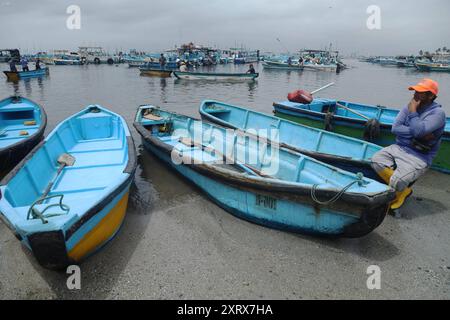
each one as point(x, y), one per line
point(266, 202)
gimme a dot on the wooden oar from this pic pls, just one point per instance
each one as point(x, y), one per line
point(243, 166)
point(64, 160)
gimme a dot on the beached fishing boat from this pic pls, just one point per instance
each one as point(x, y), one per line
point(352, 120)
point(22, 126)
point(261, 183)
point(17, 75)
point(346, 153)
point(214, 76)
point(281, 66)
point(433, 66)
point(69, 196)
point(157, 72)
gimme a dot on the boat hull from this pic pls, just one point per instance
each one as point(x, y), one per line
point(156, 73)
point(355, 128)
point(272, 209)
point(14, 76)
point(281, 66)
point(432, 67)
point(215, 76)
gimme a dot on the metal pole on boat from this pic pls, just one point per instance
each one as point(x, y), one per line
point(353, 111)
point(323, 88)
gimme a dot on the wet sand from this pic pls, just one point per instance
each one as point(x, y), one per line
point(176, 244)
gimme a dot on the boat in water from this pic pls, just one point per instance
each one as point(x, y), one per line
point(433, 66)
point(22, 126)
point(214, 76)
point(18, 75)
point(262, 183)
point(155, 72)
point(69, 196)
point(352, 119)
point(346, 153)
point(278, 65)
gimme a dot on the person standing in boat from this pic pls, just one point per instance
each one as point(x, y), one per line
point(38, 64)
point(162, 61)
point(418, 128)
point(300, 62)
point(251, 69)
point(289, 61)
point(24, 64)
point(12, 65)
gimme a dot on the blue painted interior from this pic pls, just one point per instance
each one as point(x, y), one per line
point(292, 167)
point(98, 141)
point(291, 133)
point(12, 120)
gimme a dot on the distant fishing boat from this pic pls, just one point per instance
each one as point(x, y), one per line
point(352, 120)
point(282, 66)
point(433, 66)
point(214, 76)
point(346, 153)
point(17, 75)
point(320, 67)
point(22, 126)
point(286, 197)
point(158, 72)
point(69, 196)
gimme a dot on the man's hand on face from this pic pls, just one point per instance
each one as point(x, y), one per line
point(413, 105)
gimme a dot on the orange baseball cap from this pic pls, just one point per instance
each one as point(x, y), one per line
point(426, 85)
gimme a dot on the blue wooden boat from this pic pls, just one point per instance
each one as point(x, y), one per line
point(338, 150)
point(15, 76)
point(22, 126)
point(170, 65)
point(259, 182)
point(277, 65)
point(432, 66)
point(214, 76)
point(69, 196)
point(326, 113)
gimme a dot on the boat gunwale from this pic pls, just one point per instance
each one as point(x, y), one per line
point(218, 74)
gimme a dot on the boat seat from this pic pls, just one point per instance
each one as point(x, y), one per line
point(152, 117)
point(100, 158)
point(87, 178)
point(214, 110)
point(98, 145)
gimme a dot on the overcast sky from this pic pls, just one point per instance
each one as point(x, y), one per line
point(152, 25)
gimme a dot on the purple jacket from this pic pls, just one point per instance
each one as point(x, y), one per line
point(408, 126)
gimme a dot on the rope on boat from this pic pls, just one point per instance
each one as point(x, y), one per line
point(338, 195)
point(36, 214)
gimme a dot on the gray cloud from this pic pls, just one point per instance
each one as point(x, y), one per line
point(154, 25)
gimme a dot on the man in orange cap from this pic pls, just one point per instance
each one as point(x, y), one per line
point(418, 128)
